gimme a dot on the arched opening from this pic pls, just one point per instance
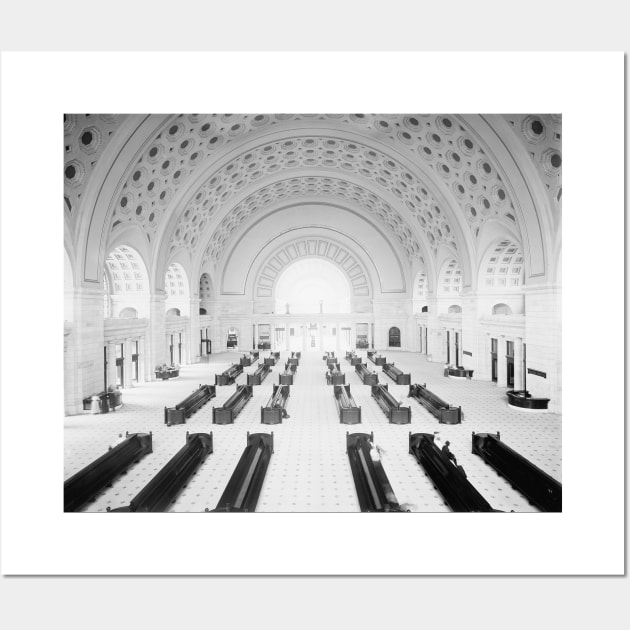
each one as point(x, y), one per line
point(176, 287)
point(394, 337)
point(128, 313)
point(125, 283)
point(502, 273)
point(173, 312)
point(450, 282)
point(501, 309)
point(312, 286)
point(425, 309)
point(232, 337)
point(454, 308)
point(203, 311)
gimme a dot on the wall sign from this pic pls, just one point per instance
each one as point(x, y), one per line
point(467, 353)
point(536, 373)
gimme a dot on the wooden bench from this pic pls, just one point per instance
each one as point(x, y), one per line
point(458, 372)
point(286, 378)
point(167, 373)
point(290, 366)
point(377, 359)
point(248, 359)
point(328, 355)
point(84, 485)
point(259, 375)
point(349, 412)
point(445, 413)
point(188, 406)
point(353, 358)
point(229, 376)
point(276, 407)
point(524, 400)
point(539, 488)
point(395, 412)
point(396, 374)
point(365, 374)
point(166, 485)
point(334, 376)
point(243, 489)
point(374, 491)
point(449, 478)
point(232, 406)
point(272, 359)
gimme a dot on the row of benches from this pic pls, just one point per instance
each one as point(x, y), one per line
point(372, 485)
point(241, 492)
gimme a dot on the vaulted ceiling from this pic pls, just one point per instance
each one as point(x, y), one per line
point(191, 187)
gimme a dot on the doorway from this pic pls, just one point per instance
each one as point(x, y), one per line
point(494, 345)
point(120, 364)
point(448, 347)
point(509, 355)
point(394, 337)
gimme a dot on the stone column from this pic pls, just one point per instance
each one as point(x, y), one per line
point(502, 362)
point(111, 363)
point(128, 364)
point(141, 368)
point(287, 340)
point(155, 351)
point(518, 363)
point(85, 348)
point(193, 354)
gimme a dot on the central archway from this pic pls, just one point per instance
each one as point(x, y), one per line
point(311, 286)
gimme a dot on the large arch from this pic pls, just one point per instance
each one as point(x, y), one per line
point(311, 285)
point(379, 260)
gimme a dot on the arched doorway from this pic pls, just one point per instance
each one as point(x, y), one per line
point(318, 288)
point(394, 337)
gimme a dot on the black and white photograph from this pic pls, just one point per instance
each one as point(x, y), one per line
point(347, 288)
point(313, 312)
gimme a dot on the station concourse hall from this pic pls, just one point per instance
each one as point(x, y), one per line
point(312, 313)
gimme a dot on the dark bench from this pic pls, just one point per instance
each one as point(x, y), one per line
point(166, 485)
point(374, 491)
point(259, 375)
point(536, 485)
point(445, 413)
point(328, 355)
point(395, 412)
point(332, 363)
point(232, 406)
point(524, 400)
point(396, 374)
point(286, 378)
point(188, 406)
point(365, 374)
point(264, 345)
point(248, 359)
point(243, 489)
point(334, 376)
point(348, 411)
point(353, 358)
point(276, 407)
point(170, 372)
point(290, 366)
point(377, 359)
point(84, 485)
point(293, 361)
point(449, 478)
point(272, 359)
point(229, 376)
point(458, 372)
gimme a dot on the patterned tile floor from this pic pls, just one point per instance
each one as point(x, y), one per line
point(309, 470)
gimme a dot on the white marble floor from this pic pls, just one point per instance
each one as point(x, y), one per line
point(309, 470)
